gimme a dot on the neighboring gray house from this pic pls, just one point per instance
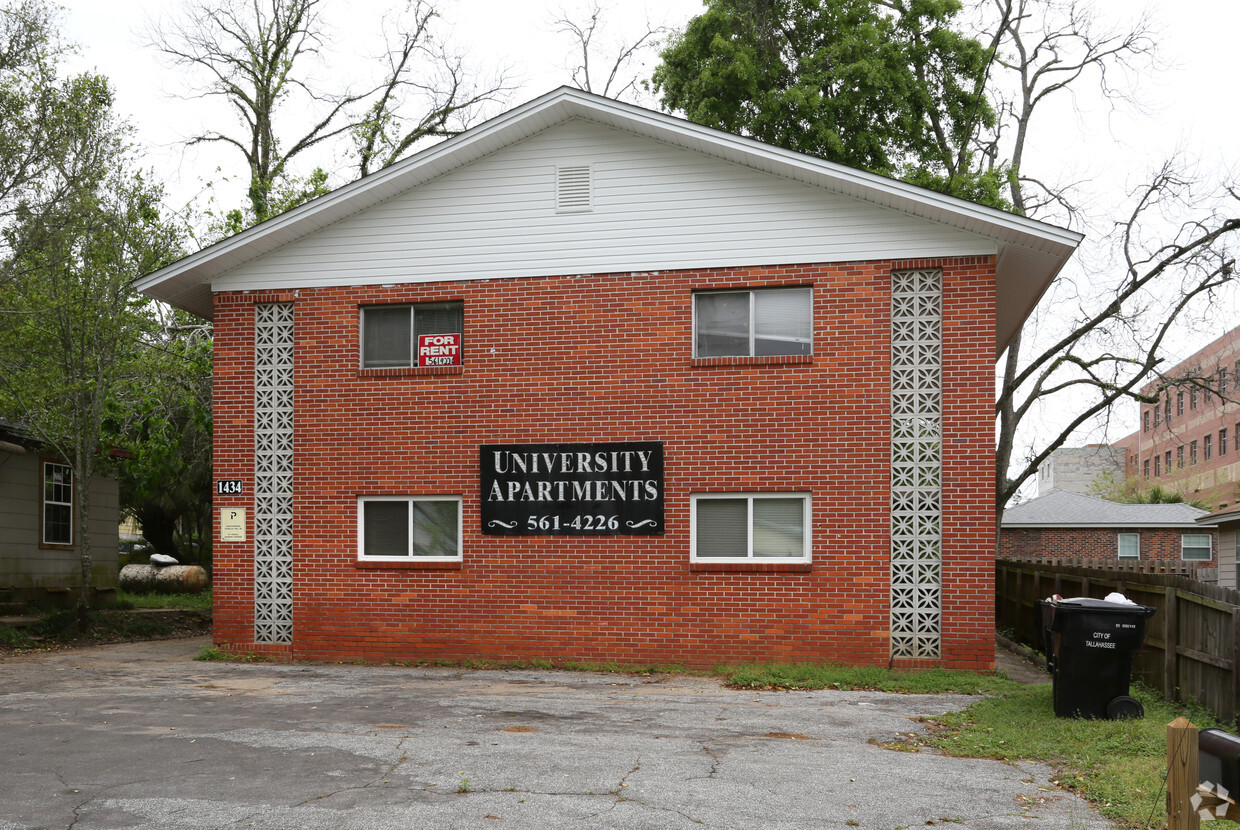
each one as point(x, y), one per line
point(1063, 524)
point(39, 542)
point(1076, 469)
point(1228, 524)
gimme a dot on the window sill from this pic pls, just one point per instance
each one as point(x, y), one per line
point(751, 567)
point(771, 360)
point(410, 371)
point(412, 565)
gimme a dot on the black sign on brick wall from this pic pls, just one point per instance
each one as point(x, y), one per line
point(572, 489)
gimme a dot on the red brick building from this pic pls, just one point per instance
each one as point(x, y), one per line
point(1065, 524)
point(1187, 441)
point(589, 381)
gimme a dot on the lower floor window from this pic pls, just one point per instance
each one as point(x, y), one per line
point(400, 527)
point(1196, 546)
point(764, 526)
point(1130, 546)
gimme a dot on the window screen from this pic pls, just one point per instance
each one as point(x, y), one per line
point(405, 527)
point(757, 526)
point(776, 321)
point(390, 333)
point(1196, 546)
point(723, 527)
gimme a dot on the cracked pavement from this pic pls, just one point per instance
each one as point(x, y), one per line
point(140, 735)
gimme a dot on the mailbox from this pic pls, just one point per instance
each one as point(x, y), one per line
point(1218, 760)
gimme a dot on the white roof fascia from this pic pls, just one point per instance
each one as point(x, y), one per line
point(186, 281)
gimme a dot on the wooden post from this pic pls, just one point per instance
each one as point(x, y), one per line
point(1182, 775)
point(1170, 642)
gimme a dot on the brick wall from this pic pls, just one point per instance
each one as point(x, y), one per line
point(1099, 543)
point(590, 358)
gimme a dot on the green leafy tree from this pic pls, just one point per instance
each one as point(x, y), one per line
point(71, 328)
point(1128, 489)
point(166, 484)
point(889, 87)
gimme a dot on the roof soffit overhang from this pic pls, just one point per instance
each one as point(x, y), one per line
point(1030, 253)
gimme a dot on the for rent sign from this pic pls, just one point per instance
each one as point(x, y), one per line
point(439, 350)
point(572, 489)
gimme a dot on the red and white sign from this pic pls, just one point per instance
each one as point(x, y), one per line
point(439, 350)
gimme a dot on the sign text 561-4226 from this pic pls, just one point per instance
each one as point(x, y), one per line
point(572, 489)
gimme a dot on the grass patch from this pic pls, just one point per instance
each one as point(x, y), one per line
point(211, 654)
point(187, 602)
point(808, 676)
point(11, 637)
point(1119, 766)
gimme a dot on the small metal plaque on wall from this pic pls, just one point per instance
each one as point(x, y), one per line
point(605, 489)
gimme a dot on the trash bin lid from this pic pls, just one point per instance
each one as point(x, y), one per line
point(1091, 604)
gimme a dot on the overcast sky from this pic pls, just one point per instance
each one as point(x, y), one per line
point(1189, 106)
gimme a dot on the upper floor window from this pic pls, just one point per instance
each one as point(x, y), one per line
point(1207, 447)
point(1222, 381)
point(758, 323)
point(1167, 408)
point(1192, 398)
point(57, 504)
point(1192, 452)
point(1145, 421)
point(428, 334)
point(1179, 403)
point(1222, 441)
point(1157, 414)
point(1179, 457)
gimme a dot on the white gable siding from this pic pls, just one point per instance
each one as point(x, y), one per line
point(654, 207)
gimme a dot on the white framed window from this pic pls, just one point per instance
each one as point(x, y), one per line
point(771, 527)
point(403, 528)
point(757, 323)
point(390, 333)
point(57, 504)
point(1129, 545)
point(1196, 546)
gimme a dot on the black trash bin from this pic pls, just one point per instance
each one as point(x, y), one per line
point(1089, 649)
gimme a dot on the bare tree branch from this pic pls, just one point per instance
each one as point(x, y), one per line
point(584, 31)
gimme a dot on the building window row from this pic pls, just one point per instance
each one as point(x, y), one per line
point(725, 527)
point(734, 323)
point(1207, 446)
point(1194, 547)
point(1223, 382)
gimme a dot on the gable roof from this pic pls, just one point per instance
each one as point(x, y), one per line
point(1029, 253)
point(1060, 508)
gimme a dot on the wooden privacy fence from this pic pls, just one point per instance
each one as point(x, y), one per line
point(1191, 643)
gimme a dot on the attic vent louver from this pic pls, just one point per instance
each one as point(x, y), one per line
point(572, 189)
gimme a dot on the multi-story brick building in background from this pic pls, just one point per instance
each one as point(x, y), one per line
point(1187, 440)
point(589, 381)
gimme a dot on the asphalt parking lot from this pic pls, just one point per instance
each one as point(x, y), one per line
point(141, 735)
